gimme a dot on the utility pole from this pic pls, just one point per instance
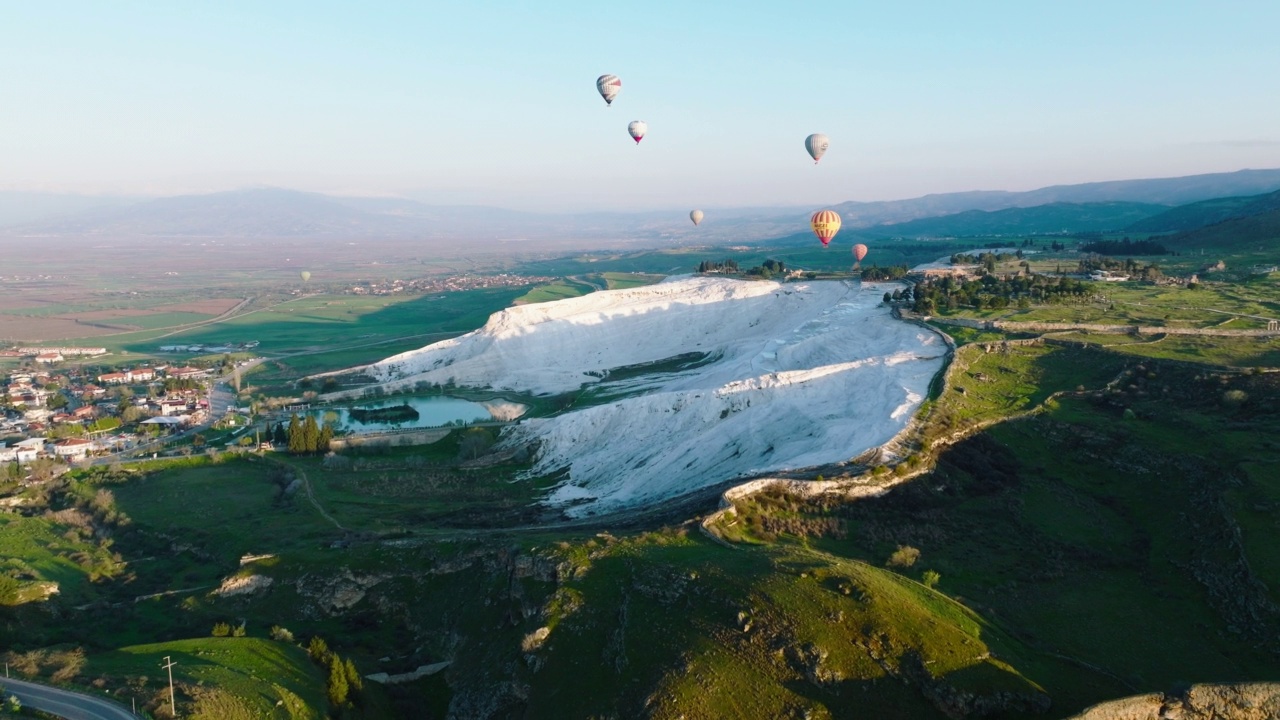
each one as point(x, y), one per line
point(173, 707)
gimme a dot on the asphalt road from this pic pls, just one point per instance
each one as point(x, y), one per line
point(64, 703)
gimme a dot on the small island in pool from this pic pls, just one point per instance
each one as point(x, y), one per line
point(393, 414)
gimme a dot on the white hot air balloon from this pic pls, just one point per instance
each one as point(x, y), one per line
point(696, 217)
point(609, 87)
point(816, 144)
point(638, 128)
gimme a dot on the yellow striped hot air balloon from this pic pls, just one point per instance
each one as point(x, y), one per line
point(825, 224)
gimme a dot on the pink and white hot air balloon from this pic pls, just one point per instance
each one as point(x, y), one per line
point(638, 128)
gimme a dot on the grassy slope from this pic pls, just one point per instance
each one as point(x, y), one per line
point(223, 678)
point(667, 626)
point(1089, 537)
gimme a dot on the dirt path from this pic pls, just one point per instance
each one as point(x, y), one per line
point(306, 485)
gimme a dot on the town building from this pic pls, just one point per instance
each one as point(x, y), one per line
point(73, 449)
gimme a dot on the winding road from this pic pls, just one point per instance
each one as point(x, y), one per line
point(64, 703)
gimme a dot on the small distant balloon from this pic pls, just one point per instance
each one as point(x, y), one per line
point(696, 217)
point(825, 224)
point(637, 129)
point(859, 252)
point(609, 87)
point(306, 275)
point(816, 144)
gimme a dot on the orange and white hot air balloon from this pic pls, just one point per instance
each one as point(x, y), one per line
point(859, 252)
point(825, 224)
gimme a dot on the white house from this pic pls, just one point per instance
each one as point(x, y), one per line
point(19, 454)
point(72, 448)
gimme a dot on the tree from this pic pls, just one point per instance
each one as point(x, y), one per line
point(221, 629)
point(337, 687)
point(354, 680)
point(280, 436)
point(319, 651)
point(930, 578)
point(474, 443)
point(296, 445)
point(905, 556)
point(310, 434)
point(326, 437)
point(56, 401)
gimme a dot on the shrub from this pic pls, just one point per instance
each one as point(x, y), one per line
point(930, 578)
point(221, 629)
point(281, 633)
point(1234, 398)
point(905, 556)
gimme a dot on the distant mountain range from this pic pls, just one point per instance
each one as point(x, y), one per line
point(1157, 191)
point(283, 213)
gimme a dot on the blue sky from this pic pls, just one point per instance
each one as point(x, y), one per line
point(494, 102)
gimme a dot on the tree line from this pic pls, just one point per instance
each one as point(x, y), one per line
point(303, 436)
point(990, 291)
point(1125, 247)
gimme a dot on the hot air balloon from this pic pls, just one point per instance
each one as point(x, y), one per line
point(696, 217)
point(306, 275)
point(859, 252)
point(825, 224)
point(816, 144)
point(609, 87)
point(638, 128)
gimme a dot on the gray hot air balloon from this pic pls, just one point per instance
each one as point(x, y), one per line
point(306, 275)
point(609, 87)
point(816, 144)
point(696, 217)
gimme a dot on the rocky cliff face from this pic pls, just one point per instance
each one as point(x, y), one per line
point(1245, 701)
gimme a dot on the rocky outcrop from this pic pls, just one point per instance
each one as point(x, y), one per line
point(334, 593)
point(243, 585)
point(1244, 701)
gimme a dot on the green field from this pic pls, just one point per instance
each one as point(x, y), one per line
point(558, 290)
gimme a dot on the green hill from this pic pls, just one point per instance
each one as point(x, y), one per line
point(1244, 235)
point(1042, 219)
point(1208, 212)
point(223, 678)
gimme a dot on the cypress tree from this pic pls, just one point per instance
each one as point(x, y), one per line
point(326, 435)
point(310, 434)
point(337, 686)
point(295, 435)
